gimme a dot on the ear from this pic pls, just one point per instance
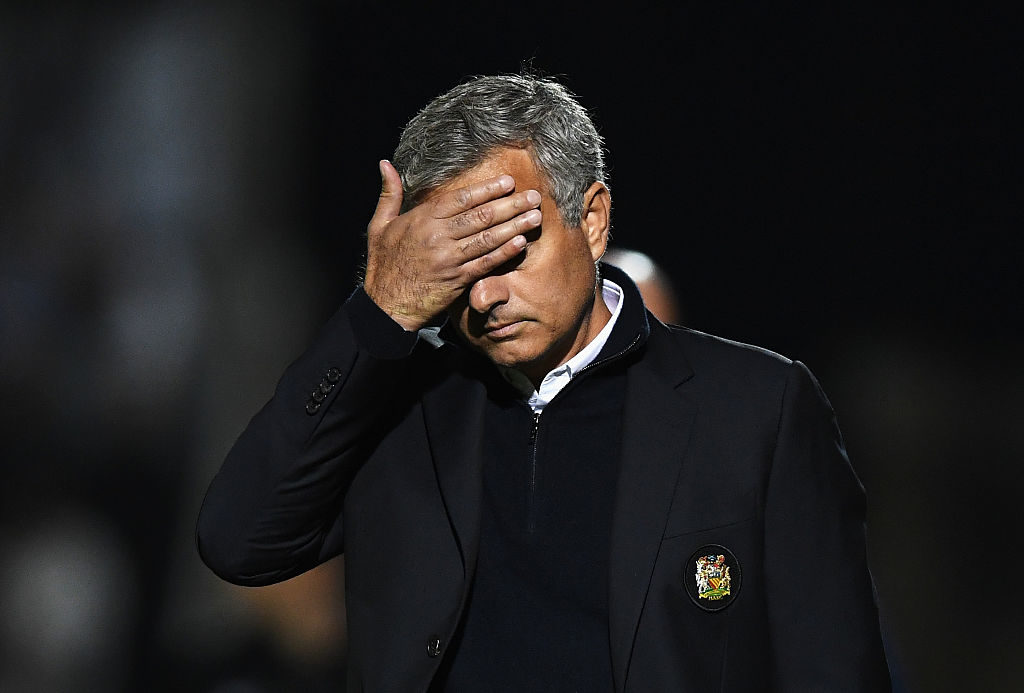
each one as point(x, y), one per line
point(596, 218)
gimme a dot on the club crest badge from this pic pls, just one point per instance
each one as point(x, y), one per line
point(712, 577)
point(713, 580)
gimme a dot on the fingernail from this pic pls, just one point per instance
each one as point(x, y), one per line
point(533, 216)
point(519, 242)
point(507, 182)
point(533, 197)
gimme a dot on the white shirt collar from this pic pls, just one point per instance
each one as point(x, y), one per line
point(559, 377)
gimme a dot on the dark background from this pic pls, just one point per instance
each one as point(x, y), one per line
point(183, 193)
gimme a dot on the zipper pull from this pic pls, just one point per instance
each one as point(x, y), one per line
point(536, 425)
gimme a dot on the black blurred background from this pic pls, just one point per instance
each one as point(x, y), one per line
point(183, 197)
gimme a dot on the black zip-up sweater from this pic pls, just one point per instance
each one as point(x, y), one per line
point(537, 616)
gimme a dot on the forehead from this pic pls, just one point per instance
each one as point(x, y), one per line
point(517, 163)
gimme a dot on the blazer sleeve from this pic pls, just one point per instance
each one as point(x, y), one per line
point(823, 615)
point(273, 510)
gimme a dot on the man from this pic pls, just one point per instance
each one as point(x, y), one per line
point(538, 486)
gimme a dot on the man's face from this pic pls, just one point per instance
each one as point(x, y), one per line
point(538, 311)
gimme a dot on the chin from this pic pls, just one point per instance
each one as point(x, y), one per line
point(508, 356)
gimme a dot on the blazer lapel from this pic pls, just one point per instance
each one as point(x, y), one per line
point(453, 413)
point(655, 434)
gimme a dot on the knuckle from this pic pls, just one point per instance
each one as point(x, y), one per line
point(484, 215)
point(436, 239)
point(474, 245)
point(486, 263)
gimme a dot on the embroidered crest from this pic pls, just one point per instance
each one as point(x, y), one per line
point(713, 580)
point(712, 577)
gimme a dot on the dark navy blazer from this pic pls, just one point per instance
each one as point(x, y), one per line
point(374, 449)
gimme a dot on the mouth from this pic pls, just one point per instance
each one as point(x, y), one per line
point(502, 330)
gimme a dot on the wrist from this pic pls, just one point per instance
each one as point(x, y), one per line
point(408, 321)
point(376, 331)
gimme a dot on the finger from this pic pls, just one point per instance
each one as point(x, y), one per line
point(489, 239)
point(459, 200)
point(484, 265)
point(493, 213)
point(389, 204)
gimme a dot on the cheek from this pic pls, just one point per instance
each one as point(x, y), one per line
point(564, 300)
point(579, 277)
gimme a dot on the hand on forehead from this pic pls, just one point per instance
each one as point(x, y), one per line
point(420, 261)
point(517, 164)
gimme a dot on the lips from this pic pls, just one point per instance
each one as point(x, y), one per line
point(502, 330)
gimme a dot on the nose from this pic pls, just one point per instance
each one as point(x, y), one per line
point(487, 292)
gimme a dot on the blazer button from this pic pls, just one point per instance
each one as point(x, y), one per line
point(333, 375)
point(434, 646)
point(312, 408)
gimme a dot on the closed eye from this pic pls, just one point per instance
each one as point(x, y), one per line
point(514, 263)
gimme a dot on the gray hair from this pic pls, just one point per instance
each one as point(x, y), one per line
point(459, 129)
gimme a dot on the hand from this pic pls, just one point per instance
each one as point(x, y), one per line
point(419, 262)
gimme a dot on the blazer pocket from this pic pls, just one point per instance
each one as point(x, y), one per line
point(697, 512)
point(711, 566)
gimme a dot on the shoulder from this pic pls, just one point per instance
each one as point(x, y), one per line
point(720, 369)
point(706, 351)
point(715, 346)
point(736, 369)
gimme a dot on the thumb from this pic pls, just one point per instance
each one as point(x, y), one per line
point(389, 205)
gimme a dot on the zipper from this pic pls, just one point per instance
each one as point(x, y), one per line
point(531, 520)
point(531, 515)
point(614, 357)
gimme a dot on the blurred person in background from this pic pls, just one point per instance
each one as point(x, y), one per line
point(654, 283)
point(535, 484)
